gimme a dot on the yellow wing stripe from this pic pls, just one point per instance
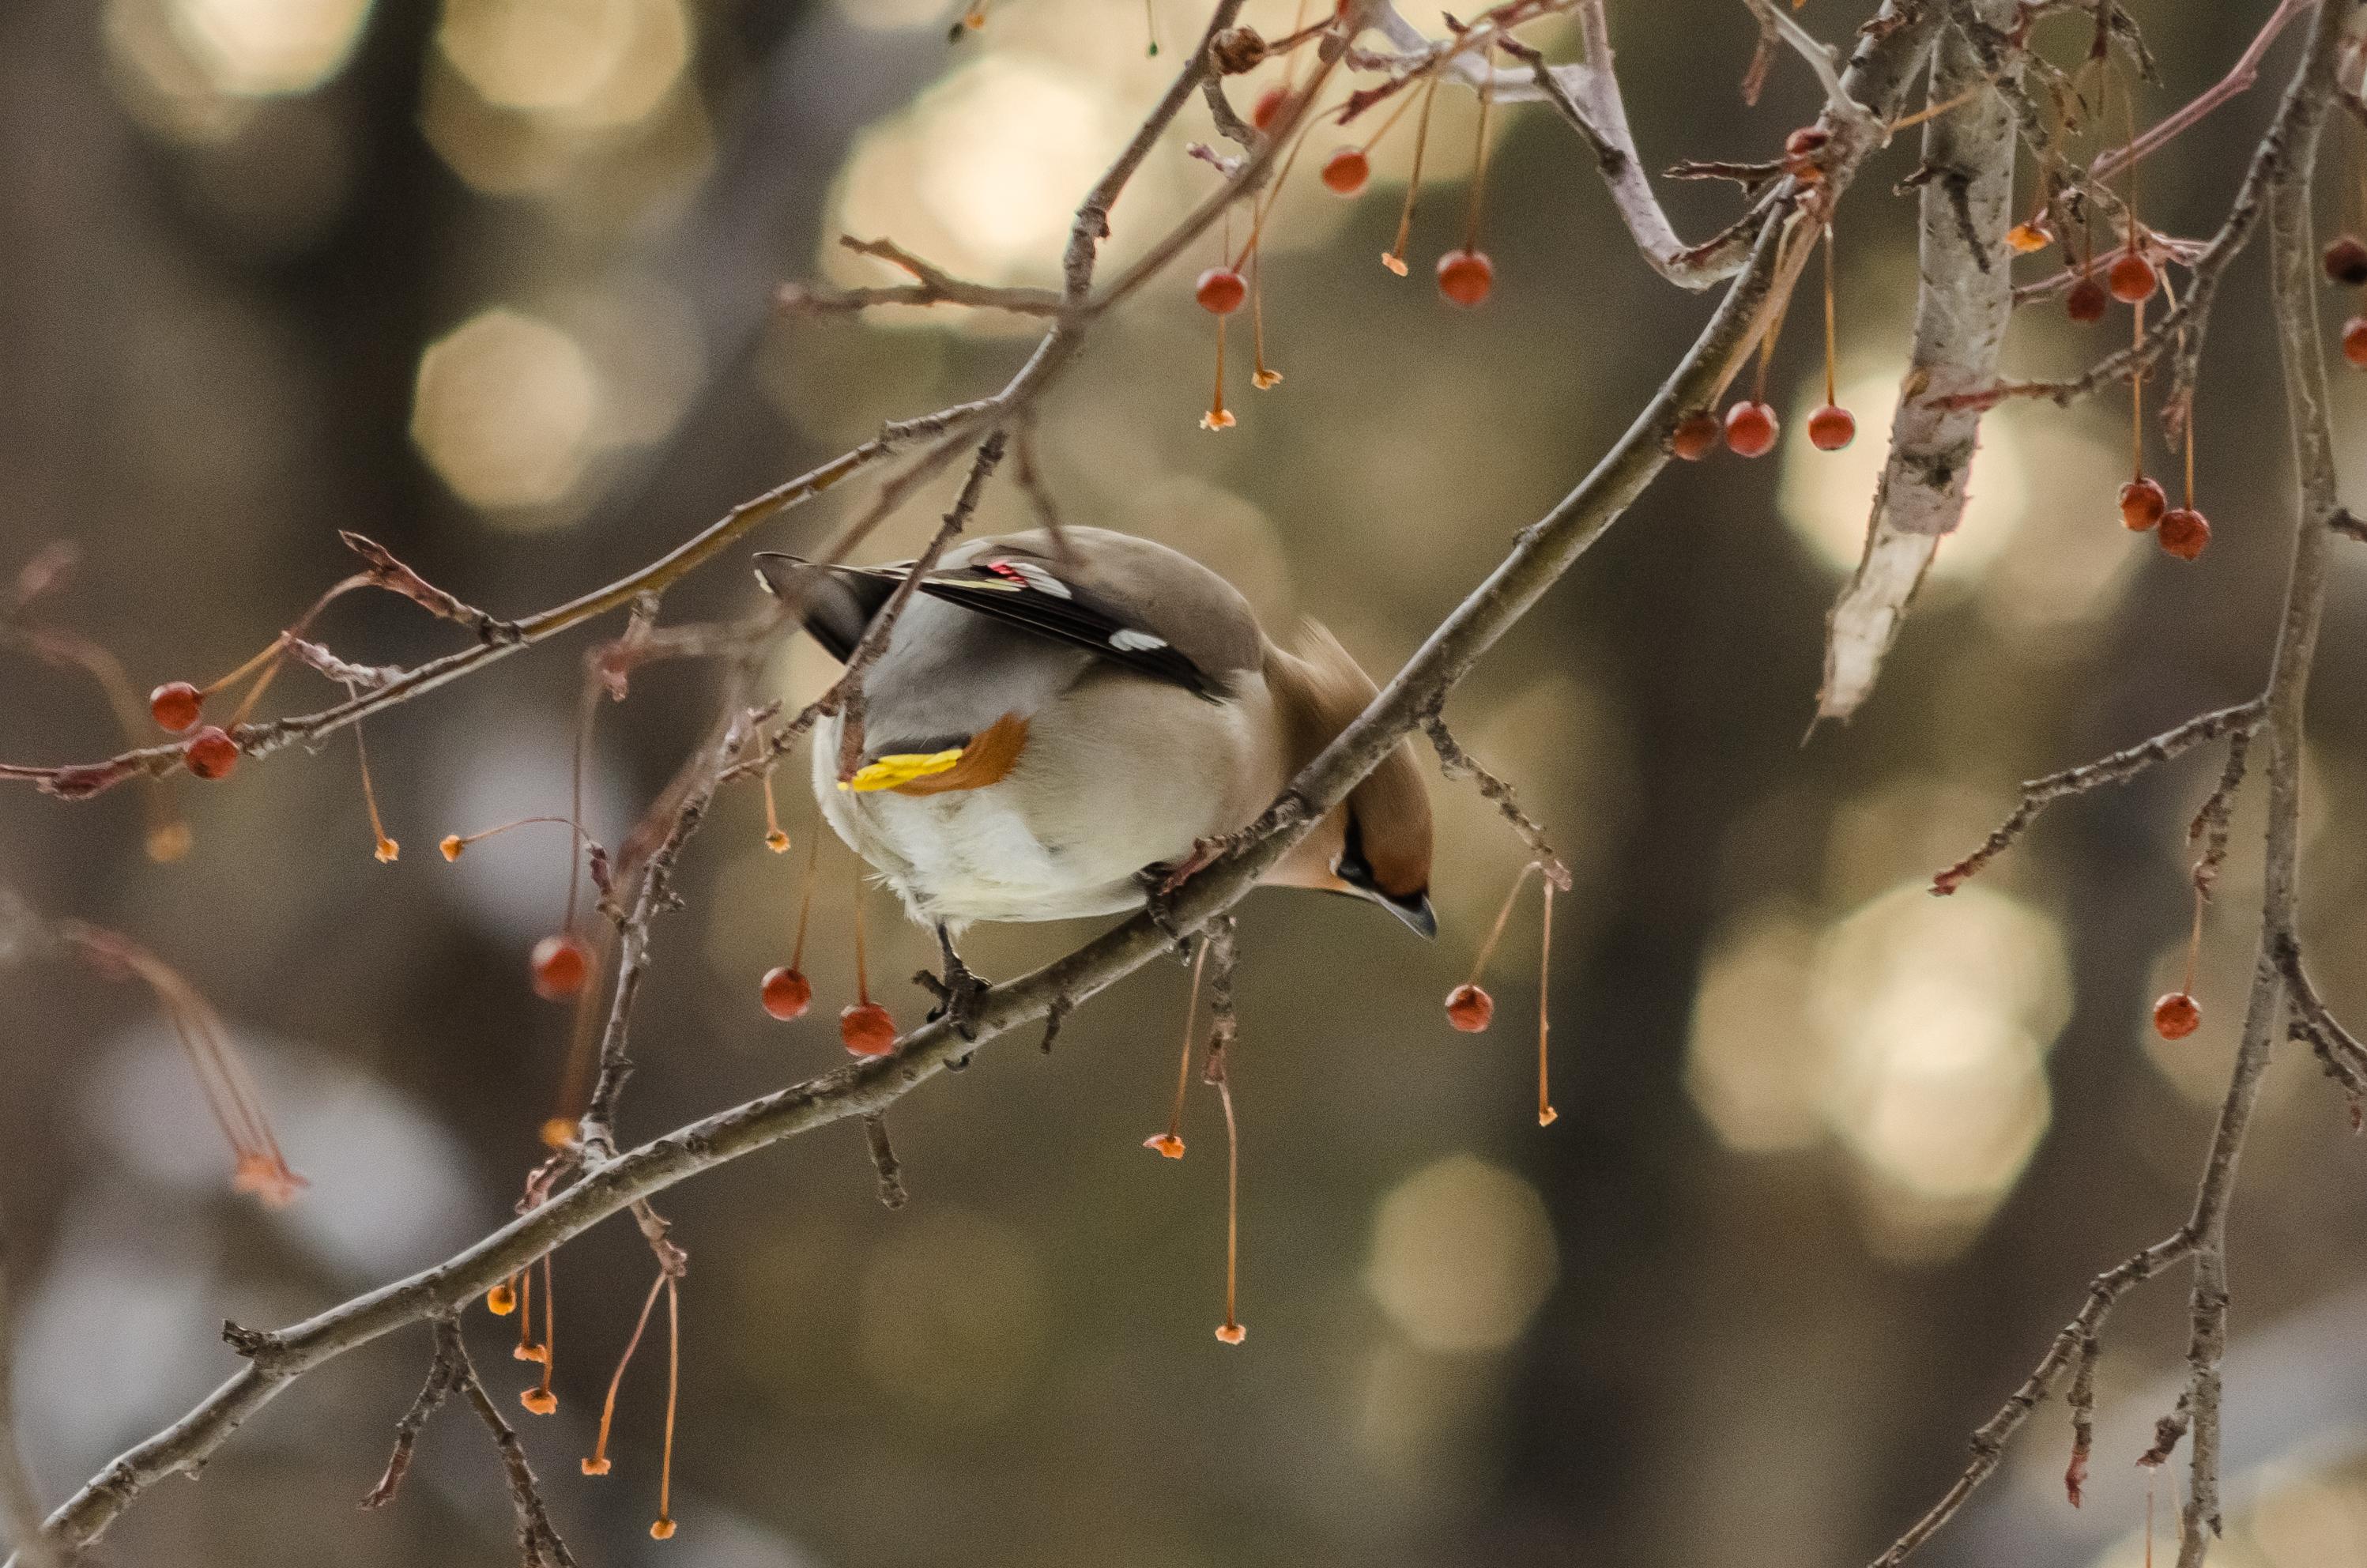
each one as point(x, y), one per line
point(903, 767)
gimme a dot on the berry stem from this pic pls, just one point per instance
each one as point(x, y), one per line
point(586, 708)
point(861, 973)
point(2137, 398)
point(549, 1330)
point(1174, 1139)
point(805, 901)
point(1232, 1332)
point(1478, 173)
point(386, 848)
point(1495, 932)
point(1394, 257)
point(775, 838)
point(598, 1463)
point(1545, 1112)
point(1831, 397)
point(664, 1527)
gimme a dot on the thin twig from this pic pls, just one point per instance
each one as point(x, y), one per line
point(442, 1376)
point(2119, 767)
point(538, 1542)
point(892, 1192)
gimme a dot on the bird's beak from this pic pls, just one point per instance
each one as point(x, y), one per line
point(1415, 912)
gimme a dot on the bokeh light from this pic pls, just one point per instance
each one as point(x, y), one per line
point(1462, 1256)
point(503, 410)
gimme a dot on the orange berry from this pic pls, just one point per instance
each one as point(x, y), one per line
point(1465, 278)
point(176, 705)
point(2086, 302)
point(1696, 433)
point(1750, 429)
point(2132, 278)
point(1166, 1143)
point(452, 844)
point(2345, 261)
point(2184, 532)
point(210, 753)
point(501, 1300)
point(1220, 291)
point(867, 1030)
point(2142, 505)
point(787, 993)
point(2177, 1016)
point(1345, 171)
point(560, 966)
point(1470, 1008)
point(2354, 341)
point(1269, 106)
point(661, 1529)
point(1831, 428)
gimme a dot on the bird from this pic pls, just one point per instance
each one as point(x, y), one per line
point(1056, 719)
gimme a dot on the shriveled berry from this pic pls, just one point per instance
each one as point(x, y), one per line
point(1166, 1143)
point(2345, 261)
point(1470, 1008)
point(1269, 106)
point(560, 965)
point(2026, 238)
point(541, 1402)
point(2177, 1016)
point(1806, 140)
point(661, 1529)
point(2086, 301)
point(2132, 277)
point(176, 705)
point(1750, 429)
point(1220, 291)
point(2142, 505)
point(787, 993)
point(1231, 1334)
point(867, 1030)
point(1696, 433)
point(1831, 428)
point(2184, 532)
point(1347, 171)
point(1465, 276)
point(2354, 341)
point(210, 753)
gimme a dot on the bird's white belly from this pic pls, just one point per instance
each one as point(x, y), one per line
point(1102, 789)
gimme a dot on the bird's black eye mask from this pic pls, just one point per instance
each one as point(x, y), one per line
point(1357, 872)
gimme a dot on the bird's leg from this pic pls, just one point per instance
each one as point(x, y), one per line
point(958, 990)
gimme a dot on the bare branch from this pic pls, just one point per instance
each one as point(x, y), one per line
point(539, 1543)
point(20, 1506)
point(2119, 767)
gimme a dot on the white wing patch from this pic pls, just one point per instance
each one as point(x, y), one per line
point(1126, 640)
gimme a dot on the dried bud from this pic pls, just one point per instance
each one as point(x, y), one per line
point(1236, 50)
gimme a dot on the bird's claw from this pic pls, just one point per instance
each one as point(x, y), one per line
point(959, 992)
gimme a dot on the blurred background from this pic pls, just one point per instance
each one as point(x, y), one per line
point(492, 281)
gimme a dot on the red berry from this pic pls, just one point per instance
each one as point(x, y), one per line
point(2142, 505)
point(1696, 433)
point(2132, 277)
point(787, 993)
point(1469, 1008)
point(1220, 291)
point(1750, 429)
point(1831, 428)
point(2184, 532)
point(2345, 261)
point(2177, 1016)
point(867, 1030)
point(210, 753)
point(176, 705)
point(1269, 106)
point(2086, 301)
point(1806, 140)
point(1345, 171)
point(560, 965)
point(1464, 277)
point(2354, 341)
